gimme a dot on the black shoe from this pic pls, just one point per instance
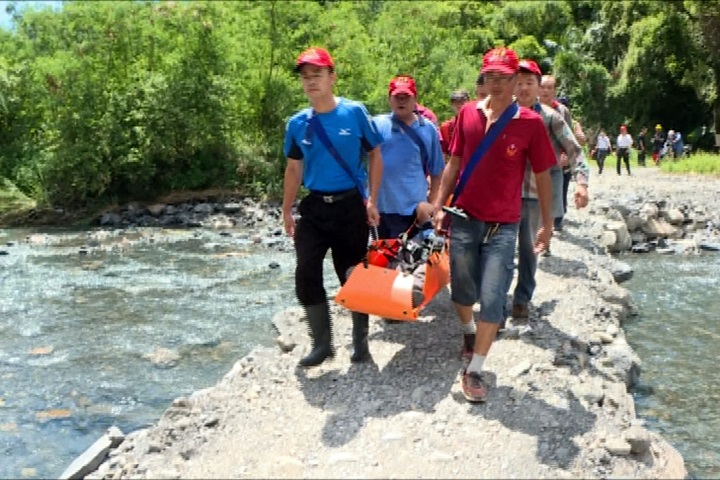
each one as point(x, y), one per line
point(317, 356)
point(320, 330)
point(361, 349)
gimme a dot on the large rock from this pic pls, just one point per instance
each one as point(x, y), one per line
point(633, 222)
point(625, 360)
point(648, 211)
point(673, 216)
point(91, 459)
point(204, 208)
point(623, 242)
point(655, 228)
point(156, 209)
point(621, 272)
point(110, 219)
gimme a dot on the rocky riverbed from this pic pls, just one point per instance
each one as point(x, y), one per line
point(559, 405)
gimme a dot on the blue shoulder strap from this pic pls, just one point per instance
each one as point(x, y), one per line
point(484, 146)
point(410, 132)
point(316, 126)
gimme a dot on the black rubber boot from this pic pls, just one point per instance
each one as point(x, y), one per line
point(320, 330)
point(361, 350)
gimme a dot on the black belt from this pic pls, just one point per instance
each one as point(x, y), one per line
point(334, 197)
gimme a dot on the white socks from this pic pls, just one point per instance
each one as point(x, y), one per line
point(476, 363)
point(468, 328)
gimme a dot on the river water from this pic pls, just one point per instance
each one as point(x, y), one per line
point(677, 336)
point(78, 333)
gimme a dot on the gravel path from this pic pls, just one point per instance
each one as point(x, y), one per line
point(558, 406)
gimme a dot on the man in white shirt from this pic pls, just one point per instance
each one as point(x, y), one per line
point(624, 142)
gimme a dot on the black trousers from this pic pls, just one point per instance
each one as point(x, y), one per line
point(624, 155)
point(393, 224)
point(567, 175)
point(340, 227)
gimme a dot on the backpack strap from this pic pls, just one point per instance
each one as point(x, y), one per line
point(410, 132)
point(485, 144)
point(316, 127)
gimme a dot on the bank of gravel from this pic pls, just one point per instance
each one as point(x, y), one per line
point(559, 405)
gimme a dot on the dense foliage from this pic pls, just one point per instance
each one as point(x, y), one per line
point(107, 101)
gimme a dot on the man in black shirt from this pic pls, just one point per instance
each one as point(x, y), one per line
point(640, 144)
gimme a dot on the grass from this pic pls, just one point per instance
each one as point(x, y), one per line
point(701, 163)
point(12, 201)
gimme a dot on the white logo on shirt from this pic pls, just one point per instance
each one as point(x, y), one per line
point(345, 132)
point(306, 142)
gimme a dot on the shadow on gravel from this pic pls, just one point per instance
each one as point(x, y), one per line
point(563, 267)
point(554, 427)
point(569, 351)
point(582, 242)
point(416, 378)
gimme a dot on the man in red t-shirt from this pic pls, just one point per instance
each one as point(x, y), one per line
point(457, 100)
point(482, 246)
point(427, 113)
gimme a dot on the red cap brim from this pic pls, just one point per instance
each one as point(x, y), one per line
point(498, 69)
point(402, 90)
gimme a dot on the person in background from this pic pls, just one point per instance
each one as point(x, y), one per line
point(562, 139)
point(564, 162)
point(483, 237)
point(334, 215)
point(623, 144)
point(658, 142)
point(603, 148)
point(641, 146)
point(547, 95)
point(577, 126)
point(427, 113)
point(457, 100)
point(676, 145)
point(481, 91)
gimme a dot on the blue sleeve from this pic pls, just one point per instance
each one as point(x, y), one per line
point(290, 146)
point(383, 125)
point(371, 134)
point(436, 162)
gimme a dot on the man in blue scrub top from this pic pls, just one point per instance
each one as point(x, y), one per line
point(410, 151)
point(334, 215)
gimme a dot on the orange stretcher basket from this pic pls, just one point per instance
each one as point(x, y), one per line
point(377, 290)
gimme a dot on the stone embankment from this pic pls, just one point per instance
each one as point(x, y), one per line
point(558, 407)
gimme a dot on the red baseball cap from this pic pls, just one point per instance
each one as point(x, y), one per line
point(530, 66)
point(500, 60)
point(402, 85)
point(315, 56)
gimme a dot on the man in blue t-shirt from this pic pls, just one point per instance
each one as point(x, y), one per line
point(323, 146)
point(410, 151)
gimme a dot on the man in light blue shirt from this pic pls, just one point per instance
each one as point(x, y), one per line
point(411, 152)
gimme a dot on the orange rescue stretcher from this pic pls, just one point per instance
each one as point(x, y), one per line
point(376, 288)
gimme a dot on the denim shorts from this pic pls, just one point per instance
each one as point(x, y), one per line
point(482, 271)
